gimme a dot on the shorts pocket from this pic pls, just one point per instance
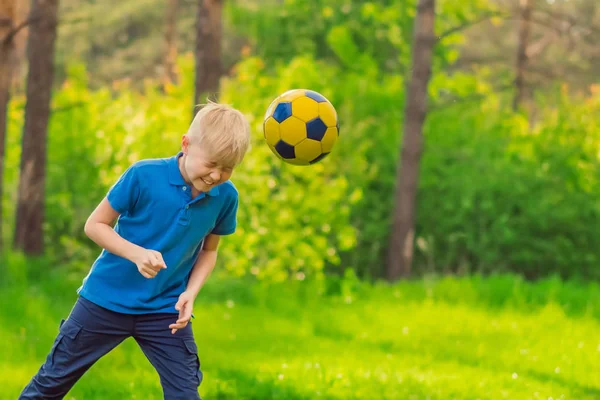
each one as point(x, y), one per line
point(191, 347)
point(66, 346)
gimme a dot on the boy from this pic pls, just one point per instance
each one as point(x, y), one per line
point(171, 213)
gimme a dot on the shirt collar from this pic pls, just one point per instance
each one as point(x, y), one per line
point(175, 177)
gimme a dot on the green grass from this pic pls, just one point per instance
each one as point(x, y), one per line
point(470, 338)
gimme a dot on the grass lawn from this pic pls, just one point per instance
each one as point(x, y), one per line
point(470, 338)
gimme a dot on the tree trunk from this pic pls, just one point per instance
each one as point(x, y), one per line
point(5, 78)
point(7, 22)
point(208, 48)
point(20, 42)
point(170, 60)
point(400, 252)
point(523, 42)
point(31, 204)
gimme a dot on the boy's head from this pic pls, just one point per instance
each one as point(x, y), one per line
point(215, 143)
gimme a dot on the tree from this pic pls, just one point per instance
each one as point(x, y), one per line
point(170, 57)
point(40, 53)
point(6, 55)
point(523, 43)
point(12, 33)
point(562, 45)
point(208, 47)
point(400, 252)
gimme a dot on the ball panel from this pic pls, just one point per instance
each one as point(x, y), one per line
point(308, 149)
point(292, 131)
point(328, 114)
point(315, 129)
point(305, 108)
point(285, 150)
point(282, 112)
point(318, 97)
point(271, 131)
point(319, 158)
point(292, 95)
point(297, 161)
point(329, 139)
point(271, 108)
point(274, 150)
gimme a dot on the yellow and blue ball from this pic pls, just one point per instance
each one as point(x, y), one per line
point(301, 127)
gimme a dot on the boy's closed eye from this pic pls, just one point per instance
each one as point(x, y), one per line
point(224, 168)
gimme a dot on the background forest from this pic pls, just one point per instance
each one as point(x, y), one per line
point(457, 258)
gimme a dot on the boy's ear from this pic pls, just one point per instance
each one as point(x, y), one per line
point(185, 142)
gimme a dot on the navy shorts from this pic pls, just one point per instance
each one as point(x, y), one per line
point(91, 331)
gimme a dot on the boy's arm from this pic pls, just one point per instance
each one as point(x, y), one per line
point(204, 264)
point(98, 228)
point(202, 268)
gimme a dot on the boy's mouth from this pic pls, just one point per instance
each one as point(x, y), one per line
point(207, 182)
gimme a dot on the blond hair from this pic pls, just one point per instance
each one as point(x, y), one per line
point(223, 131)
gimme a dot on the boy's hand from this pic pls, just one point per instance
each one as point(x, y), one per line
point(184, 306)
point(149, 263)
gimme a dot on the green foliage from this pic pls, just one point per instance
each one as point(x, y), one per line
point(286, 227)
point(125, 40)
point(280, 30)
point(496, 195)
point(298, 341)
point(493, 195)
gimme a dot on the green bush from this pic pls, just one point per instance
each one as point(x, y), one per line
point(496, 195)
point(493, 196)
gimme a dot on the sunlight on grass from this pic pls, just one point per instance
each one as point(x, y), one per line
point(275, 344)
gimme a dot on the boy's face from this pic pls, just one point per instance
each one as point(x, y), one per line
point(199, 169)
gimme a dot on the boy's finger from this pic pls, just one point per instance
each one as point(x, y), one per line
point(156, 267)
point(145, 274)
point(154, 260)
point(161, 261)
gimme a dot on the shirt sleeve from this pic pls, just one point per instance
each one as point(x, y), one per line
point(227, 222)
point(123, 195)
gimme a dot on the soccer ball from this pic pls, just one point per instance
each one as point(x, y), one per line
point(301, 127)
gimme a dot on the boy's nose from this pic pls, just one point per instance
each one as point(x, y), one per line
point(215, 175)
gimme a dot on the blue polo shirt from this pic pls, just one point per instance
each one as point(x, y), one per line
point(157, 212)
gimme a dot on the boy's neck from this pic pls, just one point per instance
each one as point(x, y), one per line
point(186, 179)
point(195, 192)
